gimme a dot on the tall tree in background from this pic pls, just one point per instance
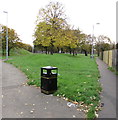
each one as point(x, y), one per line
point(12, 39)
point(70, 40)
point(103, 43)
point(50, 21)
point(43, 35)
point(84, 43)
point(25, 46)
point(52, 33)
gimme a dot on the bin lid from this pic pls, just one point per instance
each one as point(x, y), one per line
point(49, 67)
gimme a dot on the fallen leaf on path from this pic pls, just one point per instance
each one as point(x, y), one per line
point(75, 102)
point(21, 113)
point(19, 91)
point(24, 84)
point(37, 87)
point(96, 114)
point(74, 116)
point(66, 99)
point(3, 105)
point(85, 111)
point(26, 104)
point(31, 111)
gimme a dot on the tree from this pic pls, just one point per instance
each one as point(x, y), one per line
point(85, 43)
point(43, 35)
point(53, 33)
point(70, 40)
point(12, 39)
point(24, 46)
point(50, 21)
point(103, 43)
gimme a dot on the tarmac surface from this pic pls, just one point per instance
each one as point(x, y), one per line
point(22, 101)
point(108, 96)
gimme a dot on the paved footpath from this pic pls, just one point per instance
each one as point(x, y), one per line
point(108, 96)
point(22, 101)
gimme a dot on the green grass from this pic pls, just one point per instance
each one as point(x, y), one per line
point(113, 70)
point(15, 52)
point(77, 79)
point(19, 51)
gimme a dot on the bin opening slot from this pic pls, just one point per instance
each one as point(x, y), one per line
point(54, 71)
point(44, 71)
point(49, 71)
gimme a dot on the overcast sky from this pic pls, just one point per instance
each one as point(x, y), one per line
point(80, 13)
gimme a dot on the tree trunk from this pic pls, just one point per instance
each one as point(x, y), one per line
point(46, 50)
point(51, 46)
point(3, 52)
point(70, 50)
point(58, 49)
point(73, 52)
point(98, 53)
point(61, 50)
point(90, 52)
point(51, 51)
point(85, 53)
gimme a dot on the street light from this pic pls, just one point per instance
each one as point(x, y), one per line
point(6, 35)
point(92, 54)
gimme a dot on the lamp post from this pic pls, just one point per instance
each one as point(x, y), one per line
point(92, 51)
point(6, 35)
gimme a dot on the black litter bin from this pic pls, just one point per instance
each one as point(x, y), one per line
point(49, 79)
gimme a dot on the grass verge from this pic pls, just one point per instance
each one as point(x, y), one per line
point(15, 52)
point(113, 70)
point(77, 80)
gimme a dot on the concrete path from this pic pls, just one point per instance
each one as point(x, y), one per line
point(108, 96)
point(22, 101)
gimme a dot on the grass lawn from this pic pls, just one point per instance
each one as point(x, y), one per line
point(15, 52)
point(77, 79)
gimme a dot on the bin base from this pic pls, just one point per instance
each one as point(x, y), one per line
point(47, 92)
